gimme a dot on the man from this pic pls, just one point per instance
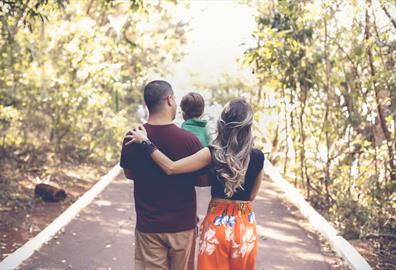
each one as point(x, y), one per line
point(165, 205)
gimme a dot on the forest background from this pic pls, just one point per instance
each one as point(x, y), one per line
point(322, 82)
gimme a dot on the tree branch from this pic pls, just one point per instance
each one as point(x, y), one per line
point(388, 14)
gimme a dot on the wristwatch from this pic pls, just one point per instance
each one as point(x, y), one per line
point(148, 146)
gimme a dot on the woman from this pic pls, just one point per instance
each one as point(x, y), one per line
point(228, 237)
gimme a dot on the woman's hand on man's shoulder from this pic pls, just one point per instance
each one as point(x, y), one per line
point(136, 135)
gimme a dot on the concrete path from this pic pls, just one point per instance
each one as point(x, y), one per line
point(102, 237)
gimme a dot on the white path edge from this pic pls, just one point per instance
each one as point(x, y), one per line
point(338, 243)
point(13, 260)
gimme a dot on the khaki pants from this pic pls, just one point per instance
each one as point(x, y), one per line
point(173, 251)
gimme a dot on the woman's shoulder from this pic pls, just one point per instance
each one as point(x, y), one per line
point(257, 154)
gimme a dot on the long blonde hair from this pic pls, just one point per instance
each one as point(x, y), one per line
point(233, 144)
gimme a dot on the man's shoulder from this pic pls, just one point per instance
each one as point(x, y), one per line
point(183, 133)
point(188, 136)
point(177, 133)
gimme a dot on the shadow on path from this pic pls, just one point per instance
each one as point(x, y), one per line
point(102, 235)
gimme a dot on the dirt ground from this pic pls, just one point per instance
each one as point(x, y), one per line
point(22, 214)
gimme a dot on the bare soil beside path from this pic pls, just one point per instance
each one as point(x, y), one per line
point(102, 236)
point(22, 214)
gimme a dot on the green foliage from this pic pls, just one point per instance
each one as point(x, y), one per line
point(336, 94)
point(73, 81)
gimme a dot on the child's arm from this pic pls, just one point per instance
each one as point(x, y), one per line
point(208, 136)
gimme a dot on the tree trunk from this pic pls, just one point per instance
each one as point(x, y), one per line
point(326, 118)
point(286, 130)
point(303, 169)
point(388, 65)
point(50, 193)
point(294, 138)
point(380, 110)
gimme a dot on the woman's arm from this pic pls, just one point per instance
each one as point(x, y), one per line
point(256, 185)
point(192, 163)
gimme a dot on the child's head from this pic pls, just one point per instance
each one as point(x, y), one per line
point(192, 105)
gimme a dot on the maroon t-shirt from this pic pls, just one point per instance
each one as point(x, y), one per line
point(163, 203)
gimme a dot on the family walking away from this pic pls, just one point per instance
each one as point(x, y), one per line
point(167, 162)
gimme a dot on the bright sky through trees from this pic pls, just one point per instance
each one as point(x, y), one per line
point(220, 32)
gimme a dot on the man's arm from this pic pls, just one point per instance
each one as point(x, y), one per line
point(202, 180)
point(126, 159)
point(128, 174)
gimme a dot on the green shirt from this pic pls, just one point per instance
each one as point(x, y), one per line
point(199, 128)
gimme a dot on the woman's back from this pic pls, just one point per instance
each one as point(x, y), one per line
point(255, 166)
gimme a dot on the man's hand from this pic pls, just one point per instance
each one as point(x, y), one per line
point(136, 135)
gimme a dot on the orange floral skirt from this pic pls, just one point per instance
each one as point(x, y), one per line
point(228, 237)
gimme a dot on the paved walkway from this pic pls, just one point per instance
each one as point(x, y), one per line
point(101, 237)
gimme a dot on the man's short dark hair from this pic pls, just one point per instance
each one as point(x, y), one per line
point(155, 93)
point(192, 105)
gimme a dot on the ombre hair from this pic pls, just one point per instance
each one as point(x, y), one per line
point(233, 144)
